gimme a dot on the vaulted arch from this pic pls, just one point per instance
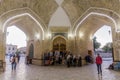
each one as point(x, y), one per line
point(89, 23)
point(59, 43)
point(22, 12)
point(109, 14)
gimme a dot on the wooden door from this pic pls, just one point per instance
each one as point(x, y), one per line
point(59, 44)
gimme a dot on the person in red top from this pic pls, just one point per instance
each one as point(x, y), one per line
point(98, 63)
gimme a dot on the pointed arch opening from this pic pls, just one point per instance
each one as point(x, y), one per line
point(102, 44)
point(86, 28)
point(59, 43)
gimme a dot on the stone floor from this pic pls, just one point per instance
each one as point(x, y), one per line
point(34, 72)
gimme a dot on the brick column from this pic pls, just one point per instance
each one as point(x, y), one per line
point(116, 47)
point(2, 46)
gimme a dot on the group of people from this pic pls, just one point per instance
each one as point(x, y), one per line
point(61, 57)
point(53, 57)
point(73, 60)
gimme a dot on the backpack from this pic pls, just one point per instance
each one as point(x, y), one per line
point(13, 59)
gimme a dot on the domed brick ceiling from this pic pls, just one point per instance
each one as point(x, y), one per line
point(45, 8)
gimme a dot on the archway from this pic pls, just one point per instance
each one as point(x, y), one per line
point(15, 44)
point(28, 24)
point(59, 44)
point(103, 43)
point(85, 30)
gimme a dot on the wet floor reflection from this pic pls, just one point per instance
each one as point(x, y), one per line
point(35, 72)
point(99, 76)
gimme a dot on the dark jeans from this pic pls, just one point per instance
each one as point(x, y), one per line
point(68, 63)
point(99, 69)
point(14, 65)
point(30, 61)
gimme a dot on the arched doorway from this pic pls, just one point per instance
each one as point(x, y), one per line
point(35, 33)
point(103, 43)
point(15, 44)
point(59, 44)
point(86, 30)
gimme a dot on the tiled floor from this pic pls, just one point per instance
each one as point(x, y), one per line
point(34, 72)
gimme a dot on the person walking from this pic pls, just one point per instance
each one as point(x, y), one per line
point(79, 60)
point(18, 57)
point(28, 60)
point(99, 63)
point(68, 60)
point(74, 61)
point(14, 62)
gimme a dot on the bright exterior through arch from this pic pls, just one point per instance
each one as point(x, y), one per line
point(104, 35)
point(15, 37)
